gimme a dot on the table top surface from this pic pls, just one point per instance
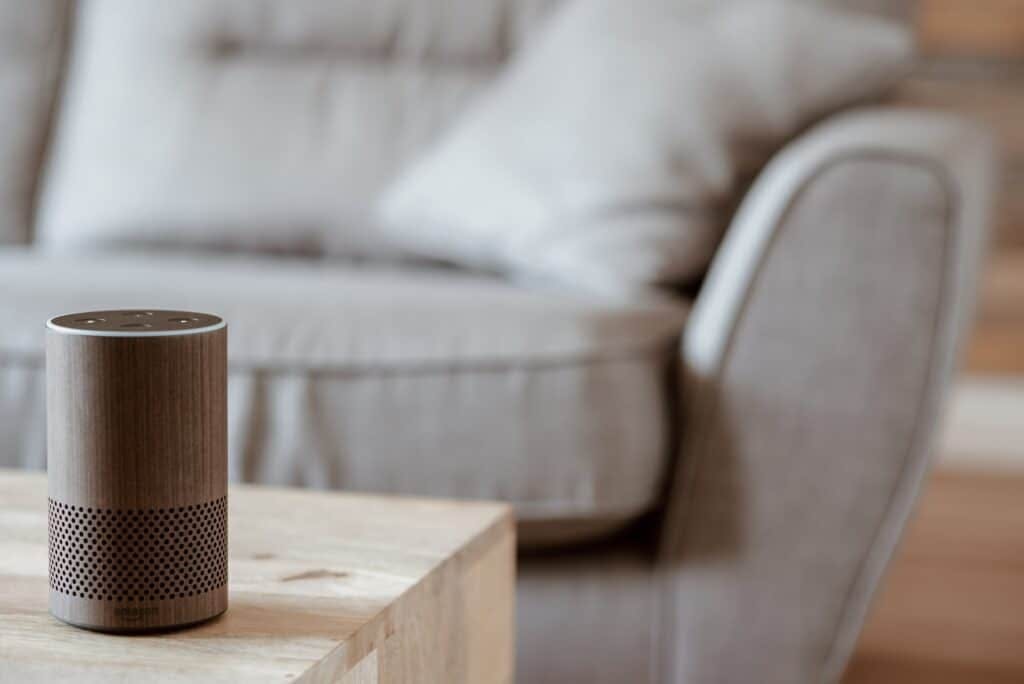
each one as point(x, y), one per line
point(310, 573)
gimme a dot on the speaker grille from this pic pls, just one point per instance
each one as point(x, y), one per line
point(149, 554)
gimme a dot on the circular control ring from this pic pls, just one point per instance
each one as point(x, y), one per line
point(134, 323)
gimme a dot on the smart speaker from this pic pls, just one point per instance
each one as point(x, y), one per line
point(136, 405)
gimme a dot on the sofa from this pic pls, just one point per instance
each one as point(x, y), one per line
point(708, 484)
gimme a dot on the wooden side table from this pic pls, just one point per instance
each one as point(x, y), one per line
point(324, 587)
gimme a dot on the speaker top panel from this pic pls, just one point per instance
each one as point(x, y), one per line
point(135, 323)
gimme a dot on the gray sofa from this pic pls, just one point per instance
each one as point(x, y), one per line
point(708, 487)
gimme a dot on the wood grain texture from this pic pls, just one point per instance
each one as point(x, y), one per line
point(136, 422)
point(137, 470)
point(365, 671)
point(986, 28)
point(951, 609)
point(319, 583)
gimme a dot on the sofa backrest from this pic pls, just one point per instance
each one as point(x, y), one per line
point(267, 123)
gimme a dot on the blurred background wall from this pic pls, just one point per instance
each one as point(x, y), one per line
point(973, 63)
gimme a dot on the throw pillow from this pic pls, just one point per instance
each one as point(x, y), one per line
point(607, 154)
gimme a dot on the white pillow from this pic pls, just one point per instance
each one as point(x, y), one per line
point(608, 152)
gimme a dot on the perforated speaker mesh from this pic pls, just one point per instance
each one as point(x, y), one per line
point(138, 555)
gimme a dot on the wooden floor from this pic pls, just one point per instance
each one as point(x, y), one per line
point(951, 609)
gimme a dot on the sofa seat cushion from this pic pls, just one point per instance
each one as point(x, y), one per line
point(421, 382)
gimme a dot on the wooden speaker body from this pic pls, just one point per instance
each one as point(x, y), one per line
point(137, 468)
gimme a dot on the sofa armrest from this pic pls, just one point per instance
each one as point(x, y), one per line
point(813, 367)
